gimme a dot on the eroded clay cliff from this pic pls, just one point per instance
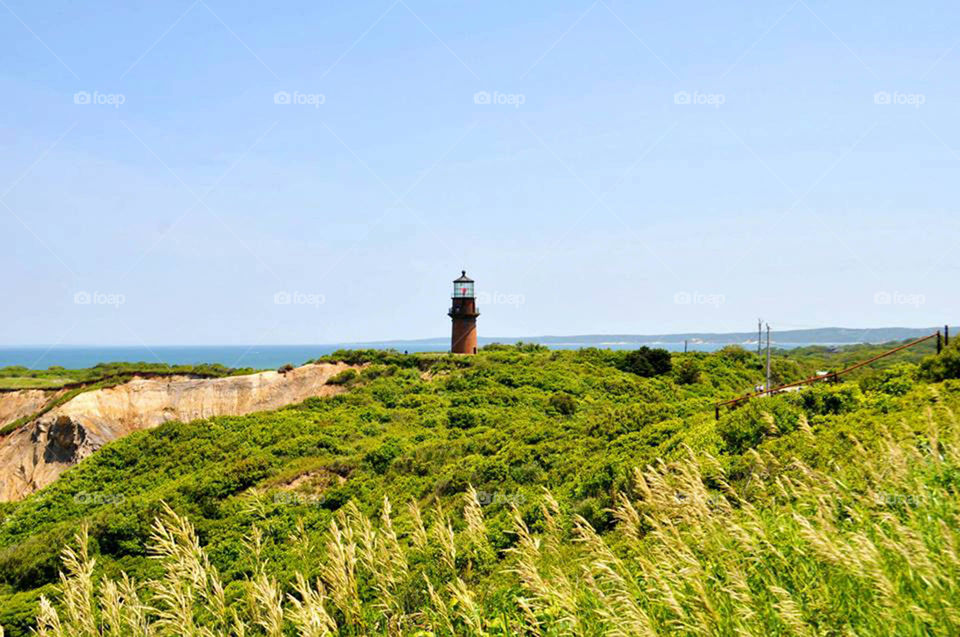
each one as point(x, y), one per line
point(15, 405)
point(35, 454)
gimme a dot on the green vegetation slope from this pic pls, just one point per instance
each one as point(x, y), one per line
point(520, 491)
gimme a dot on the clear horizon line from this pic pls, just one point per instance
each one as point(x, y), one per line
point(444, 337)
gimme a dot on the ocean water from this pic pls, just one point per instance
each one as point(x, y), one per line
point(256, 356)
point(76, 357)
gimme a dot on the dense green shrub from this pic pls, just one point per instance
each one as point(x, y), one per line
point(464, 418)
point(345, 377)
point(564, 404)
point(219, 483)
point(943, 366)
point(647, 362)
point(745, 427)
point(381, 457)
point(828, 399)
point(897, 380)
point(735, 353)
point(688, 372)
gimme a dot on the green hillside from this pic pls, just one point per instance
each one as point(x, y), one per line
point(18, 377)
point(76, 381)
point(519, 491)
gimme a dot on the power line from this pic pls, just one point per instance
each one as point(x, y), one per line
point(835, 376)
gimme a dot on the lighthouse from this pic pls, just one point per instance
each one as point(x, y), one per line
point(463, 312)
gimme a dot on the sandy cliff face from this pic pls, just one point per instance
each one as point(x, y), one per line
point(18, 404)
point(34, 455)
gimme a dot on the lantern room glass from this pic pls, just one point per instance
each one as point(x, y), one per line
point(463, 289)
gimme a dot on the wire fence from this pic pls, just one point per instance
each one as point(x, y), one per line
point(942, 338)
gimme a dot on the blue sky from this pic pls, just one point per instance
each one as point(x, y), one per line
point(303, 172)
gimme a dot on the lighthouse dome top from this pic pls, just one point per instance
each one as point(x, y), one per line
point(463, 286)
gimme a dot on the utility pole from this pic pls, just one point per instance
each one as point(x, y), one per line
point(759, 335)
point(768, 360)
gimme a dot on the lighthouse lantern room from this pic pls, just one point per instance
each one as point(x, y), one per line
point(463, 312)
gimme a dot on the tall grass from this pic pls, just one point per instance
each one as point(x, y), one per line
point(866, 549)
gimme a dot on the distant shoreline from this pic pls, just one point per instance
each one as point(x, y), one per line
point(813, 336)
point(273, 356)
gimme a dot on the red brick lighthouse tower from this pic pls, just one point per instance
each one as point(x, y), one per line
point(463, 312)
